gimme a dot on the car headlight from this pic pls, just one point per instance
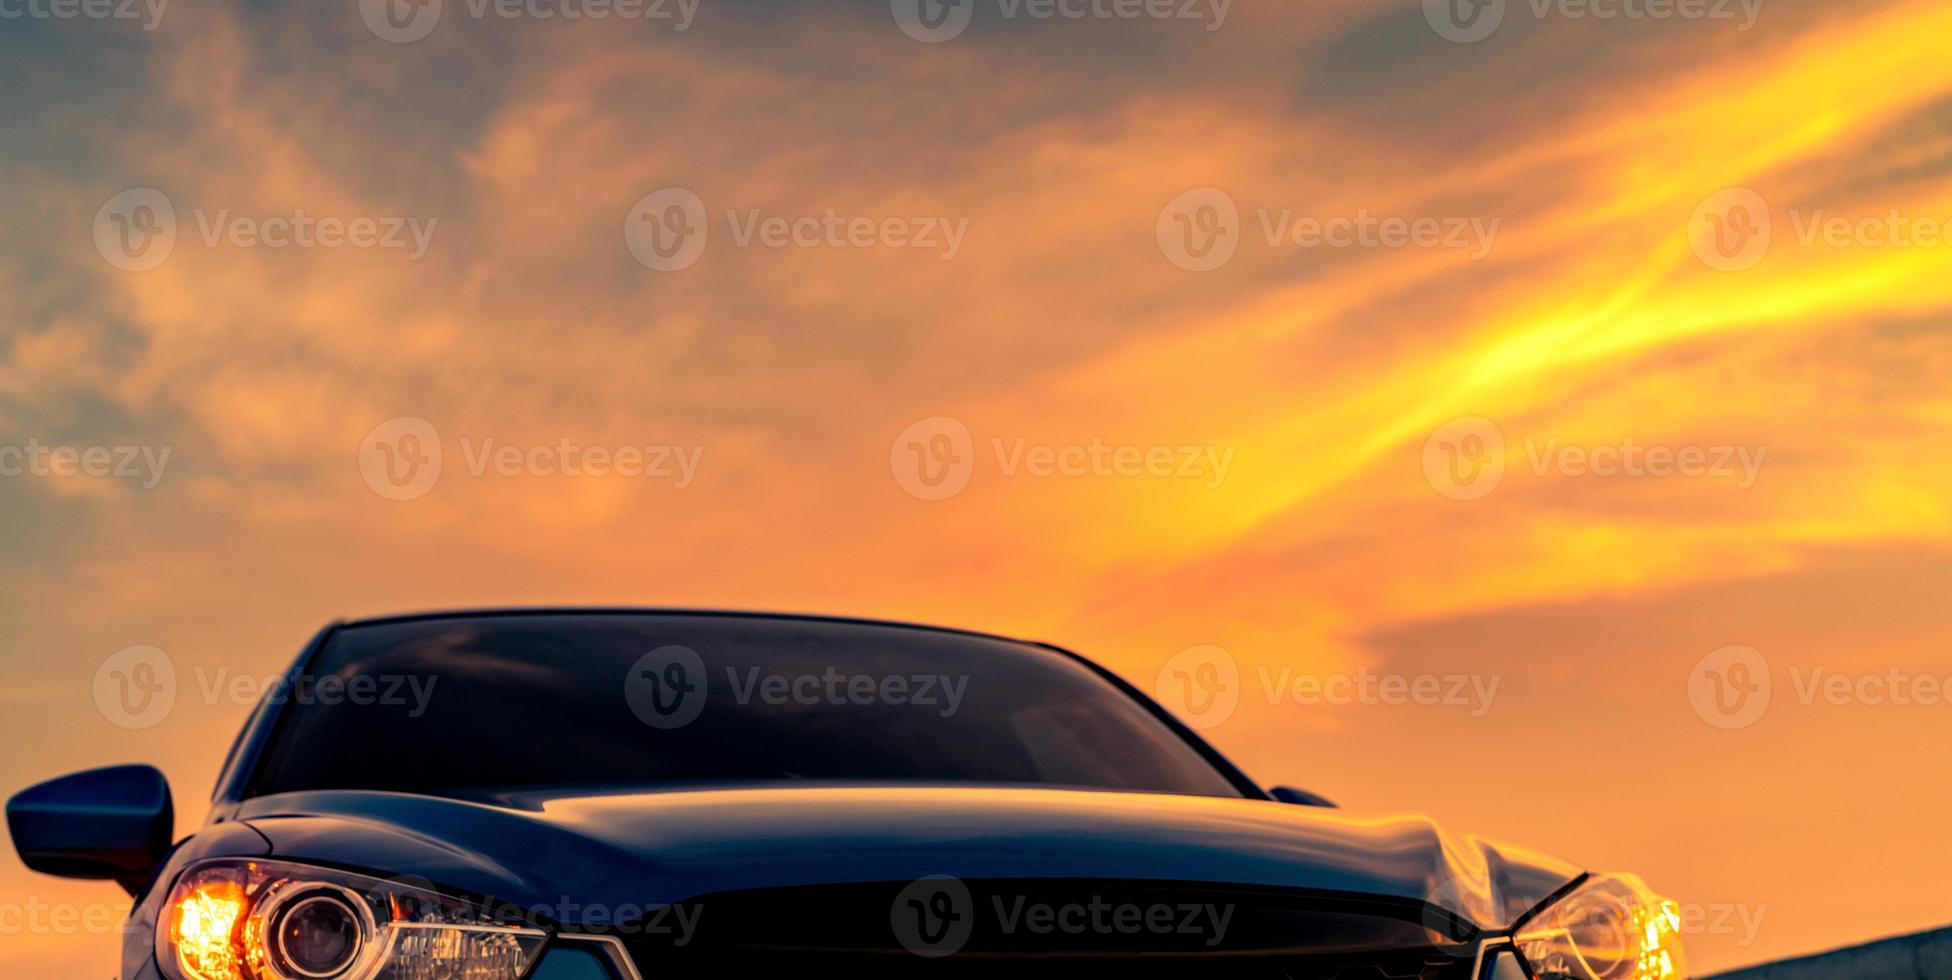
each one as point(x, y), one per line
point(1610, 928)
point(266, 920)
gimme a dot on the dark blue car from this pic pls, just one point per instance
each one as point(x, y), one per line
point(614, 794)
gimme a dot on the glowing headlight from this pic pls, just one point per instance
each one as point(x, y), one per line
point(263, 920)
point(1611, 928)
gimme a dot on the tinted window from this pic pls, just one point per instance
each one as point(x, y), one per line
point(503, 703)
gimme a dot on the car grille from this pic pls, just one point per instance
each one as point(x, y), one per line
point(1370, 967)
point(1209, 932)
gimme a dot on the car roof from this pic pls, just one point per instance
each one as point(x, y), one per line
point(490, 612)
point(256, 732)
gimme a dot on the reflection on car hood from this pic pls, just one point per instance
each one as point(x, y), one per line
point(615, 849)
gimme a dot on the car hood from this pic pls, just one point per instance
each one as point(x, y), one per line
point(646, 849)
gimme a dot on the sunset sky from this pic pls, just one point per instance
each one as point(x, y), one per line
point(1041, 274)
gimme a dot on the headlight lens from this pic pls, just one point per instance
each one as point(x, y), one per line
point(317, 932)
point(263, 920)
point(1611, 928)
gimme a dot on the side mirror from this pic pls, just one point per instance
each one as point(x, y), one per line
point(1299, 797)
point(107, 824)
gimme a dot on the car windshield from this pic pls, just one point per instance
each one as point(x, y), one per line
point(494, 704)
